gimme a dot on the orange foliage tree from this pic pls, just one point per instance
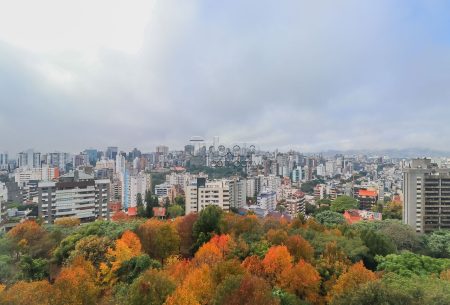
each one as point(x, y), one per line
point(76, 284)
point(209, 254)
point(30, 238)
point(224, 242)
point(199, 284)
point(300, 248)
point(187, 240)
point(302, 280)
point(28, 293)
point(351, 280)
point(254, 265)
point(159, 239)
point(177, 268)
point(251, 291)
point(445, 275)
point(275, 262)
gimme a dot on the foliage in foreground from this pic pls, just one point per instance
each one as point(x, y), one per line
point(223, 259)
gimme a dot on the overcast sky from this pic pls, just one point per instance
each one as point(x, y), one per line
point(307, 75)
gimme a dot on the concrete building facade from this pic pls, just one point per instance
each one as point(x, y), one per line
point(204, 193)
point(75, 195)
point(426, 196)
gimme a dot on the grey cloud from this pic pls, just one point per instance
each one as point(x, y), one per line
point(293, 74)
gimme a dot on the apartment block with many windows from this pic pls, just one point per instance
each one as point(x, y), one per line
point(426, 196)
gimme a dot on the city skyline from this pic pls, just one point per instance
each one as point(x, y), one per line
point(297, 75)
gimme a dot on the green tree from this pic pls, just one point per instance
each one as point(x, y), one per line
point(151, 288)
point(140, 205)
point(409, 264)
point(393, 210)
point(33, 269)
point(7, 269)
point(207, 224)
point(150, 203)
point(393, 289)
point(438, 243)
point(175, 210)
point(129, 270)
point(342, 203)
point(287, 298)
point(227, 287)
point(180, 200)
point(167, 242)
point(310, 209)
point(330, 218)
point(378, 244)
point(93, 248)
point(403, 236)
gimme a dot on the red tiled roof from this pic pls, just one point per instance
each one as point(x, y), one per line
point(132, 211)
point(368, 193)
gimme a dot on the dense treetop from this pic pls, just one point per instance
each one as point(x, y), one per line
point(223, 258)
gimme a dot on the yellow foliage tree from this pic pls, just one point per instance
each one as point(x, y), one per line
point(199, 283)
point(182, 296)
point(76, 284)
point(67, 222)
point(126, 247)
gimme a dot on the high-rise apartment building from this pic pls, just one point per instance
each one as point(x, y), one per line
point(92, 155)
point(204, 193)
point(426, 191)
point(162, 149)
point(75, 195)
point(29, 159)
point(132, 185)
point(238, 192)
point(58, 159)
point(4, 161)
point(295, 204)
point(111, 152)
point(297, 174)
point(267, 200)
point(3, 199)
point(251, 187)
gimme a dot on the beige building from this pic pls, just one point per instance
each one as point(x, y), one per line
point(204, 193)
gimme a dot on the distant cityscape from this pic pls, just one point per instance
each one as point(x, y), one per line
point(98, 184)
